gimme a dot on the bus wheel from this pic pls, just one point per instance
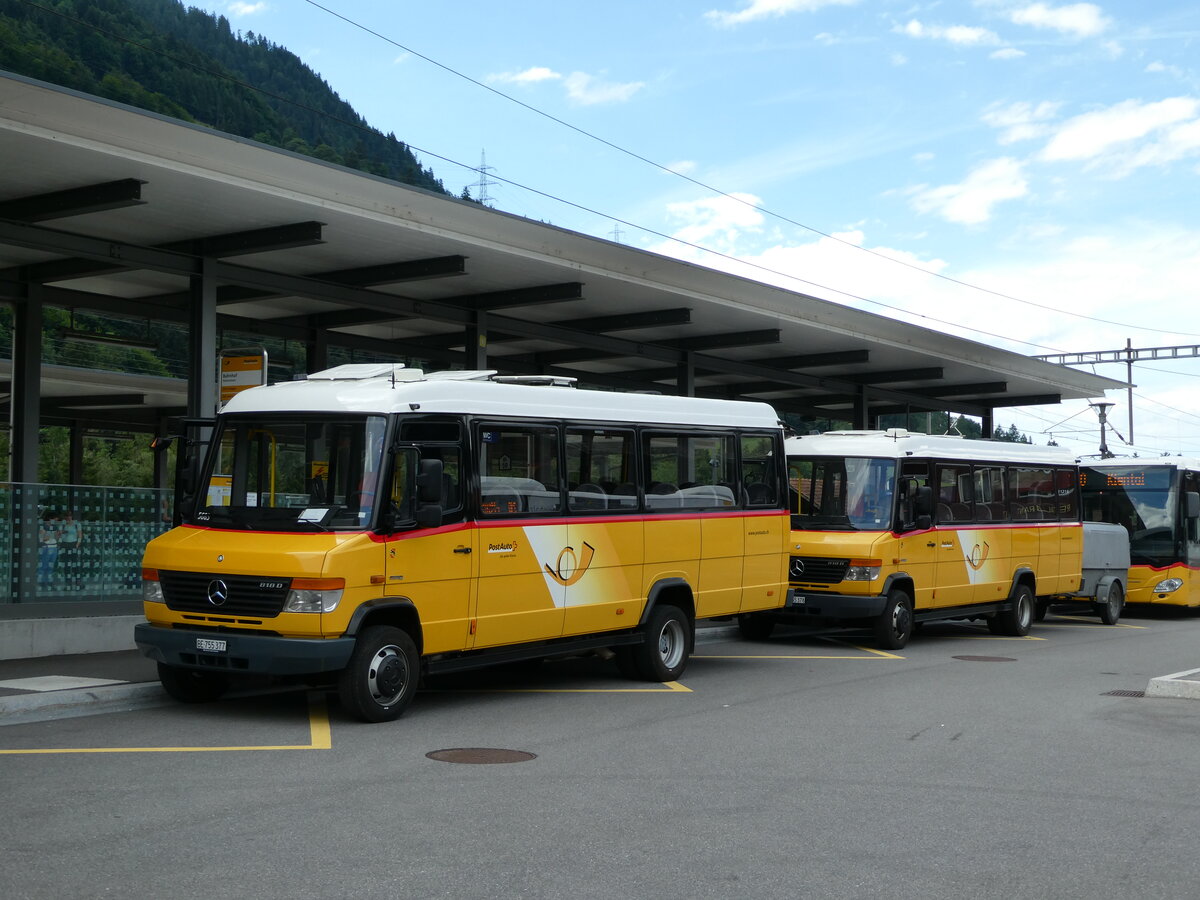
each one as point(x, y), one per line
point(381, 678)
point(894, 626)
point(1040, 609)
point(1018, 618)
point(1110, 610)
point(755, 627)
point(190, 685)
point(664, 654)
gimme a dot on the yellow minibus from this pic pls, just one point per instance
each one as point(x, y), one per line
point(891, 529)
point(372, 524)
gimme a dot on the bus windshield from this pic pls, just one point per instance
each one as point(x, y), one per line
point(1142, 498)
point(841, 493)
point(293, 473)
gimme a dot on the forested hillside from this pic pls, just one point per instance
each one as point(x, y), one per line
point(188, 64)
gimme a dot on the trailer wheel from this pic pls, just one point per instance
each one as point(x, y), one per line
point(381, 678)
point(894, 626)
point(1018, 618)
point(1110, 610)
point(192, 685)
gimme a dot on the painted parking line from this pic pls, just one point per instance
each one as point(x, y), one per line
point(1076, 621)
point(965, 632)
point(320, 738)
point(667, 687)
point(872, 654)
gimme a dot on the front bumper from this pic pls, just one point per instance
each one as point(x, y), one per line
point(814, 606)
point(243, 653)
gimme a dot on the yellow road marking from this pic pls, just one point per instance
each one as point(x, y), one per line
point(874, 654)
point(320, 738)
point(1086, 621)
point(668, 687)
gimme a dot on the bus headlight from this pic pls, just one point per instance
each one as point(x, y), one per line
point(1167, 585)
point(863, 570)
point(152, 587)
point(314, 595)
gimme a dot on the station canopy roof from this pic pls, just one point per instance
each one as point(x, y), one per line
point(117, 210)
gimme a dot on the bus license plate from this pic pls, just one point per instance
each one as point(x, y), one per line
point(210, 644)
point(796, 600)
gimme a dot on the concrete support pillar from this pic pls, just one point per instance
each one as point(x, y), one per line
point(202, 356)
point(24, 421)
point(685, 381)
point(475, 350)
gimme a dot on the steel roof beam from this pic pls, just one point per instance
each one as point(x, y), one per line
point(815, 360)
point(76, 201)
point(960, 390)
point(931, 373)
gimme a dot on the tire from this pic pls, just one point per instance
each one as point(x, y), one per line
point(192, 685)
point(1040, 608)
point(664, 654)
point(1110, 611)
point(1018, 619)
point(381, 678)
point(894, 626)
point(755, 627)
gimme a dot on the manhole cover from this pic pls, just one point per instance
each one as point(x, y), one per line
point(986, 658)
point(480, 756)
point(1123, 694)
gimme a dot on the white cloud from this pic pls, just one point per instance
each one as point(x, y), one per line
point(1158, 68)
point(716, 222)
point(971, 201)
point(237, 10)
point(683, 166)
point(586, 90)
point(1077, 20)
point(582, 89)
point(767, 9)
point(1006, 53)
point(1021, 121)
point(961, 35)
point(1107, 135)
point(532, 75)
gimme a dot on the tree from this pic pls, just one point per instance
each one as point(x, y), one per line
point(1010, 434)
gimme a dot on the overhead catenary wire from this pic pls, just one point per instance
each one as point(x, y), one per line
point(361, 125)
point(650, 231)
point(719, 191)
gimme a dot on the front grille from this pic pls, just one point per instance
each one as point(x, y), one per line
point(243, 595)
point(817, 569)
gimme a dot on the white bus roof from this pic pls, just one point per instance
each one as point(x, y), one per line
point(391, 388)
point(896, 443)
point(1189, 463)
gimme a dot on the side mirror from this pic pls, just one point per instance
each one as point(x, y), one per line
point(1192, 499)
point(429, 481)
point(923, 504)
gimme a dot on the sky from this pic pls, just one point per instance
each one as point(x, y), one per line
point(1022, 174)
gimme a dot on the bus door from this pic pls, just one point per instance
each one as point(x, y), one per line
point(916, 546)
point(1070, 536)
point(522, 531)
point(435, 568)
point(764, 570)
point(954, 536)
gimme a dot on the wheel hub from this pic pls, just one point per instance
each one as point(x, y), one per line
point(388, 676)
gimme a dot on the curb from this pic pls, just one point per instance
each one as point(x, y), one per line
point(1180, 686)
point(21, 709)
